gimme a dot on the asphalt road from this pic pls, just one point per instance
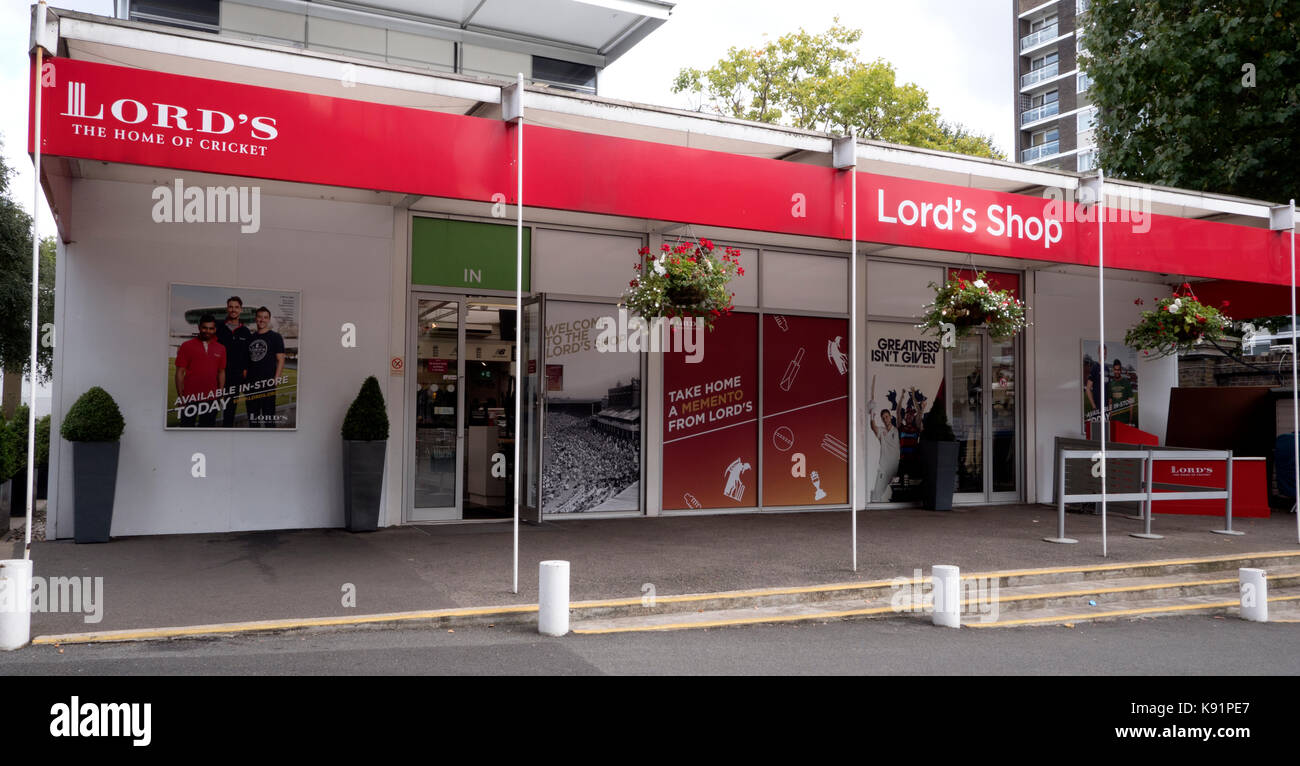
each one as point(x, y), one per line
point(1191, 645)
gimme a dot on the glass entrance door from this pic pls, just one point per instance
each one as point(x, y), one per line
point(533, 389)
point(982, 376)
point(435, 394)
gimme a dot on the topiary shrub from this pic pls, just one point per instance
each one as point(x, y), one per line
point(94, 418)
point(15, 433)
point(935, 426)
point(8, 460)
point(367, 418)
point(43, 441)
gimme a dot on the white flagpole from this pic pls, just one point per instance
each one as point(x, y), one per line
point(853, 350)
point(36, 281)
point(519, 315)
point(1101, 344)
point(1295, 396)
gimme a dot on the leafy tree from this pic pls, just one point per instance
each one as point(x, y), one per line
point(16, 285)
point(817, 82)
point(1199, 94)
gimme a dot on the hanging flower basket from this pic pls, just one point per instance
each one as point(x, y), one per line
point(684, 280)
point(973, 303)
point(1179, 322)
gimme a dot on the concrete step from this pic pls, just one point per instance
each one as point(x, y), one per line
point(1021, 604)
point(832, 595)
point(1209, 603)
point(1112, 586)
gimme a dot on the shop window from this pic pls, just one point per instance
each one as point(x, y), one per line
point(564, 74)
point(192, 14)
point(805, 282)
point(710, 420)
point(805, 411)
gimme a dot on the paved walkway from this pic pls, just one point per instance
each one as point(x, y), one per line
point(166, 581)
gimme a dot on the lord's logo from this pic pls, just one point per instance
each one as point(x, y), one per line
point(129, 111)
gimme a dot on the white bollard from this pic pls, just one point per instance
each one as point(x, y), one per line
point(15, 603)
point(947, 595)
point(553, 598)
point(1254, 594)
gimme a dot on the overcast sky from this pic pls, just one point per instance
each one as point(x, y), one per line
point(958, 50)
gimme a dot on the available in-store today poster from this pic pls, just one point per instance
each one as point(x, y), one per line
point(1118, 369)
point(232, 357)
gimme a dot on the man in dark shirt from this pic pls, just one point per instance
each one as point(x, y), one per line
point(234, 335)
point(265, 366)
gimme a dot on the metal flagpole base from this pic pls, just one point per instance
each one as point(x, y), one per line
point(1146, 536)
point(1062, 540)
point(1232, 532)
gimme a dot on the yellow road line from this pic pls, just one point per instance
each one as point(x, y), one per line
point(289, 624)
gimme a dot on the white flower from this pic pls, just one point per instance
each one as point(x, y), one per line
point(981, 284)
point(1176, 306)
point(660, 269)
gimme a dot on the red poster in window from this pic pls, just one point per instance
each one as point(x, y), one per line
point(805, 411)
point(711, 420)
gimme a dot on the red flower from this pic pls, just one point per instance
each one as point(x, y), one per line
point(664, 247)
point(740, 271)
point(706, 244)
point(1200, 319)
point(633, 283)
point(1137, 302)
point(637, 266)
point(643, 251)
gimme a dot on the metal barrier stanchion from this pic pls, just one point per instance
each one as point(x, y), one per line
point(1228, 505)
point(1147, 510)
point(1060, 505)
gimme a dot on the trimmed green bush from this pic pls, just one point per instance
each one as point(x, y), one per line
point(15, 433)
point(367, 418)
point(935, 426)
point(94, 418)
point(43, 441)
point(8, 461)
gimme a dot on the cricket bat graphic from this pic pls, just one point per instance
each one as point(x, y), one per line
point(791, 371)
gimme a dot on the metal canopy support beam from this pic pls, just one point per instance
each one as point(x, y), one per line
point(1091, 191)
point(512, 110)
point(844, 156)
point(1282, 218)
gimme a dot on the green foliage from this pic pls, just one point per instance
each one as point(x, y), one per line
point(685, 280)
point(8, 460)
point(367, 418)
point(1178, 323)
point(93, 418)
point(972, 304)
point(1198, 94)
point(934, 426)
point(15, 433)
point(818, 82)
point(43, 441)
point(16, 285)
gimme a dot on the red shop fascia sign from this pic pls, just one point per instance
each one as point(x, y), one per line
point(120, 114)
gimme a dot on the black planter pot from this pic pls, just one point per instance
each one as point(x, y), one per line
point(685, 296)
point(363, 483)
point(939, 460)
point(94, 483)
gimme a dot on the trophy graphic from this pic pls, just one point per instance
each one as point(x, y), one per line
point(817, 482)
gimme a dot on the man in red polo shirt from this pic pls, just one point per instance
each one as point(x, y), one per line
point(200, 376)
